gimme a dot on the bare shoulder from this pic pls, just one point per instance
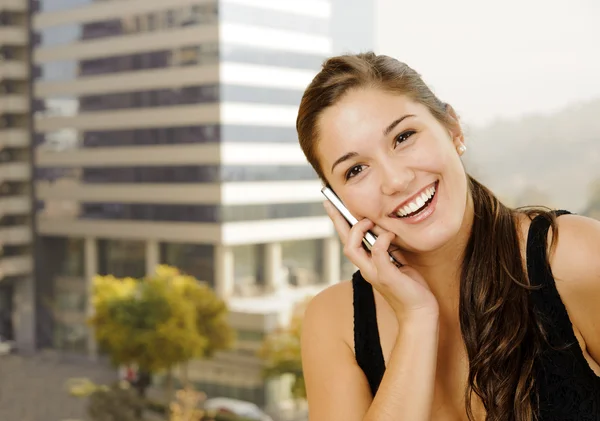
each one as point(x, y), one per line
point(575, 263)
point(331, 311)
point(335, 385)
point(576, 255)
point(577, 252)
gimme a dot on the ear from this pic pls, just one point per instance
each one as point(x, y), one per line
point(455, 129)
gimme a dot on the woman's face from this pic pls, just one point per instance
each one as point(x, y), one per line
point(392, 162)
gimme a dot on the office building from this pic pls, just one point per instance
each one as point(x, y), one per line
point(164, 132)
point(17, 298)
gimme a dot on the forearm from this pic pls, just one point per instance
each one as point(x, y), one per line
point(406, 390)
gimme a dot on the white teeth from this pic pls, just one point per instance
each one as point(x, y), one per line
point(420, 202)
point(417, 203)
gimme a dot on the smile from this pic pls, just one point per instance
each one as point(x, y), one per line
point(418, 203)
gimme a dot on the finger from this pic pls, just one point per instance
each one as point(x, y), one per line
point(396, 253)
point(339, 222)
point(393, 249)
point(381, 258)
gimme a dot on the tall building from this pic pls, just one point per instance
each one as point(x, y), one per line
point(17, 294)
point(164, 132)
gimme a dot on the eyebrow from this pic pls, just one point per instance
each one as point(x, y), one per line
point(389, 128)
point(386, 132)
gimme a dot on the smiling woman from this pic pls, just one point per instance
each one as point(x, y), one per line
point(474, 324)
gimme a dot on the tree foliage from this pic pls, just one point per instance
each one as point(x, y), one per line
point(160, 321)
point(281, 354)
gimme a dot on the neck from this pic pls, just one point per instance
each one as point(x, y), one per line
point(441, 268)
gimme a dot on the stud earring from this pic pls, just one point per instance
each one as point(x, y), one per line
point(461, 149)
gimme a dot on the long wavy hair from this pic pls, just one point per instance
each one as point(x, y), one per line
point(500, 330)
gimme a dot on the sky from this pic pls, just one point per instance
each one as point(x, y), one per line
point(494, 60)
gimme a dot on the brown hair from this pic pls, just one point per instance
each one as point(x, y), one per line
point(501, 333)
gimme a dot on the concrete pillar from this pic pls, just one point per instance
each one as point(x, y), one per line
point(91, 270)
point(152, 256)
point(272, 263)
point(23, 316)
point(331, 260)
point(224, 271)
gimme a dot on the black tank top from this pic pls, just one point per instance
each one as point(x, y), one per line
point(567, 387)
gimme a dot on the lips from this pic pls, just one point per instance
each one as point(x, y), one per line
point(416, 203)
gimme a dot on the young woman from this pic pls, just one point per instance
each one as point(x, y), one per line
point(495, 313)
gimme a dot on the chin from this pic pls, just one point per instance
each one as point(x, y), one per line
point(433, 236)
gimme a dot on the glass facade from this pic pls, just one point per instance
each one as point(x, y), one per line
point(177, 174)
point(198, 213)
point(68, 139)
point(302, 261)
point(63, 265)
point(261, 56)
point(193, 259)
point(6, 312)
point(263, 17)
point(122, 258)
point(70, 336)
point(167, 97)
point(183, 16)
point(178, 56)
point(247, 265)
point(73, 264)
point(70, 301)
point(70, 106)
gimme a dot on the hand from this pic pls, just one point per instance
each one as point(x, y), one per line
point(403, 288)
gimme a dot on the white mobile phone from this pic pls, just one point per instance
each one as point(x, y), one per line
point(369, 238)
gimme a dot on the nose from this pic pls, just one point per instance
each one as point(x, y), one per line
point(395, 178)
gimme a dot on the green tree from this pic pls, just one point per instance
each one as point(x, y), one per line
point(281, 354)
point(158, 322)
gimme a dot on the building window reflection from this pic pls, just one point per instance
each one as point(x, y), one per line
point(188, 95)
point(70, 336)
point(302, 262)
point(68, 138)
point(188, 55)
point(198, 213)
point(189, 15)
point(64, 265)
point(65, 256)
point(122, 258)
point(247, 264)
point(74, 261)
point(196, 260)
point(178, 174)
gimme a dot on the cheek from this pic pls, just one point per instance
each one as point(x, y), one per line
point(363, 202)
point(431, 158)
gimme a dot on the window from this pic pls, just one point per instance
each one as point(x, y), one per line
point(122, 258)
point(193, 259)
point(302, 262)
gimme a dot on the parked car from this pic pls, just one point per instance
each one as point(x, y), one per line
point(243, 409)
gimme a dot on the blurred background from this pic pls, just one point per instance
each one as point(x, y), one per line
point(159, 224)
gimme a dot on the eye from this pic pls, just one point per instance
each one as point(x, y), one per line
point(353, 172)
point(402, 137)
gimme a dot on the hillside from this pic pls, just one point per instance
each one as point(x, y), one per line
point(554, 155)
